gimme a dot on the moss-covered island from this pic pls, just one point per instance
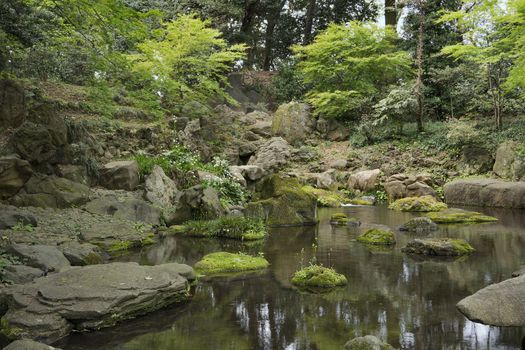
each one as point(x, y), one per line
point(378, 237)
point(439, 247)
point(317, 278)
point(223, 262)
point(340, 219)
point(418, 204)
point(460, 216)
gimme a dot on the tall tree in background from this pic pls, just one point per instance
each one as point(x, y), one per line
point(419, 63)
point(390, 13)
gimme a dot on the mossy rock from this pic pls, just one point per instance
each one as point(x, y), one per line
point(234, 227)
point(459, 216)
point(366, 200)
point(377, 236)
point(439, 247)
point(223, 262)
point(418, 204)
point(317, 278)
point(419, 224)
point(340, 219)
point(326, 198)
point(283, 203)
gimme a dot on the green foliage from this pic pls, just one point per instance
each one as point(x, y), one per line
point(222, 262)
point(288, 84)
point(347, 63)
point(398, 107)
point(21, 227)
point(186, 61)
point(234, 227)
point(230, 191)
point(7, 259)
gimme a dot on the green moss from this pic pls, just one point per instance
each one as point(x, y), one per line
point(361, 201)
point(325, 198)
point(340, 219)
point(8, 331)
point(459, 216)
point(462, 247)
point(418, 204)
point(120, 246)
point(316, 278)
point(234, 227)
point(377, 236)
point(223, 262)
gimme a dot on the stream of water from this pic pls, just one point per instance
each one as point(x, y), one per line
point(408, 302)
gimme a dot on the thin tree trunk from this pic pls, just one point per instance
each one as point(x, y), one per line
point(390, 13)
point(419, 61)
point(250, 9)
point(272, 20)
point(309, 22)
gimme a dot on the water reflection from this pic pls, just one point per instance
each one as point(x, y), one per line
point(406, 301)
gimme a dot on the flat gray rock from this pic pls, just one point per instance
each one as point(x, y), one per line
point(26, 344)
point(499, 304)
point(45, 257)
point(19, 274)
point(90, 298)
point(81, 254)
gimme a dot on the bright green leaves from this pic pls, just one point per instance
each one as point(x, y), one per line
point(186, 61)
point(347, 63)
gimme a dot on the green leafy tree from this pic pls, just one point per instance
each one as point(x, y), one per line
point(185, 62)
point(348, 66)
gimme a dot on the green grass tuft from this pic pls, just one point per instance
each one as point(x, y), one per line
point(234, 227)
point(459, 216)
point(223, 262)
point(377, 236)
point(315, 278)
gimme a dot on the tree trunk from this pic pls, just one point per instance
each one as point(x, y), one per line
point(272, 20)
point(390, 13)
point(309, 21)
point(419, 61)
point(250, 8)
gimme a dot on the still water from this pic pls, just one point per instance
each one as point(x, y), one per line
point(408, 302)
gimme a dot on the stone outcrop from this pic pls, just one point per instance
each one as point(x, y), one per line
point(332, 129)
point(486, 193)
point(293, 122)
point(128, 209)
point(123, 175)
point(499, 304)
point(400, 186)
point(283, 203)
point(11, 218)
point(44, 257)
point(364, 180)
point(510, 164)
point(51, 192)
point(13, 108)
point(476, 160)
point(26, 344)
point(90, 298)
point(14, 173)
point(116, 235)
point(197, 202)
point(81, 254)
point(19, 274)
point(272, 156)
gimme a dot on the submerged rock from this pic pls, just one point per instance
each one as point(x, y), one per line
point(317, 278)
point(223, 262)
point(499, 304)
point(486, 193)
point(438, 247)
point(419, 224)
point(377, 236)
point(284, 203)
point(90, 298)
point(340, 219)
point(459, 216)
point(418, 204)
point(368, 342)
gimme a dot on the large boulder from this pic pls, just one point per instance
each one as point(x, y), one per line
point(14, 173)
point(44, 257)
point(13, 109)
point(90, 298)
point(476, 160)
point(293, 122)
point(486, 193)
point(400, 186)
point(499, 304)
point(438, 247)
point(52, 192)
point(10, 218)
point(26, 344)
point(34, 143)
point(364, 180)
point(272, 156)
point(128, 209)
point(332, 129)
point(510, 163)
point(197, 202)
point(116, 235)
point(123, 175)
point(159, 189)
point(283, 202)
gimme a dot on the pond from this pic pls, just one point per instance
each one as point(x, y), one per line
point(408, 302)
